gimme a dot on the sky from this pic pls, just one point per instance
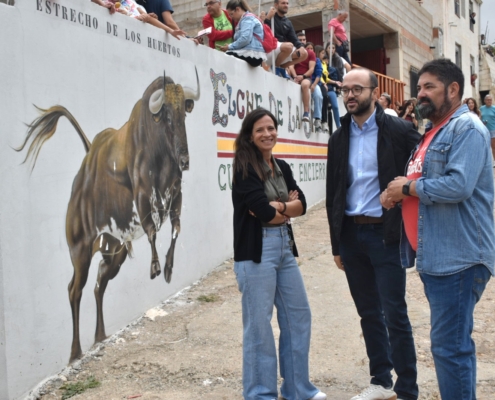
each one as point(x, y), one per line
point(488, 16)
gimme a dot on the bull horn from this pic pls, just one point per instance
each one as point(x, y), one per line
point(191, 94)
point(156, 101)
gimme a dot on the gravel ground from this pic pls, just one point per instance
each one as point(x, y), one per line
point(190, 346)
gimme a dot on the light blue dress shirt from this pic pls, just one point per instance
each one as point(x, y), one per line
point(363, 188)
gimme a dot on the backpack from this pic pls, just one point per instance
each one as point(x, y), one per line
point(269, 41)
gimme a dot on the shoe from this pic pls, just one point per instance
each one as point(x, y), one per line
point(317, 123)
point(376, 392)
point(325, 128)
point(305, 117)
point(319, 396)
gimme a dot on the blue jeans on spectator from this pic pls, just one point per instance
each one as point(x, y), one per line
point(377, 283)
point(275, 281)
point(332, 96)
point(344, 54)
point(452, 300)
point(317, 102)
point(281, 72)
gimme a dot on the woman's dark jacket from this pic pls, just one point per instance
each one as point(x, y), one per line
point(249, 195)
point(396, 139)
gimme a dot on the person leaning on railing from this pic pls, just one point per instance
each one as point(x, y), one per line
point(134, 10)
point(162, 9)
point(221, 25)
point(285, 33)
point(106, 4)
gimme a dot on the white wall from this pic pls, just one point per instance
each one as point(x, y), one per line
point(99, 76)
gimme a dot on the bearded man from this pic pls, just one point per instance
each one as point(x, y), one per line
point(447, 207)
point(369, 150)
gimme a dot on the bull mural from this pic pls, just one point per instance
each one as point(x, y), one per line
point(128, 184)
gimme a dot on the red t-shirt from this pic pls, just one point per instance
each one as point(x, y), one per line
point(410, 204)
point(302, 67)
point(339, 29)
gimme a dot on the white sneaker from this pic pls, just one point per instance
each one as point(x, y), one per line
point(376, 392)
point(319, 396)
point(324, 126)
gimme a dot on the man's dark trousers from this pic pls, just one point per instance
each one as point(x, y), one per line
point(377, 283)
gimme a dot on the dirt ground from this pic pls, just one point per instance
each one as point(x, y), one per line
point(193, 350)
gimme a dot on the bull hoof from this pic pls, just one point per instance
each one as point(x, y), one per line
point(167, 273)
point(155, 269)
point(100, 337)
point(75, 355)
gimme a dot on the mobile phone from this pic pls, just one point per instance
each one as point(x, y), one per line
point(204, 32)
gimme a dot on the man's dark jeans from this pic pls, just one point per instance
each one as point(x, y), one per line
point(378, 284)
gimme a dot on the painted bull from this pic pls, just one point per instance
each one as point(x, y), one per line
point(128, 184)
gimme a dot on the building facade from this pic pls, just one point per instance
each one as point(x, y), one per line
point(456, 35)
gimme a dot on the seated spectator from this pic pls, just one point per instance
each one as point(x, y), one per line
point(407, 113)
point(248, 34)
point(385, 101)
point(337, 61)
point(473, 106)
point(162, 9)
point(285, 33)
point(320, 63)
point(132, 9)
point(330, 80)
point(220, 23)
point(106, 4)
point(302, 73)
point(419, 118)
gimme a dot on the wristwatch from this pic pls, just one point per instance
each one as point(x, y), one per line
point(406, 187)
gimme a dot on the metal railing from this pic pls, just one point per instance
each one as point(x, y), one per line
point(394, 87)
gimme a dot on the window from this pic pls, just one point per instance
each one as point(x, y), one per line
point(471, 18)
point(458, 55)
point(413, 81)
point(472, 68)
point(457, 8)
point(463, 8)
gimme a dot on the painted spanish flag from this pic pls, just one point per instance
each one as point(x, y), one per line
point(285, 148)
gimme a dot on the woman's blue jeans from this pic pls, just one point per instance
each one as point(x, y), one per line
point(332, 96)
point(275, 281)
point(452, 300)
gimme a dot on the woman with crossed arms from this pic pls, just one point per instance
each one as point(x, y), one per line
point(265, 196)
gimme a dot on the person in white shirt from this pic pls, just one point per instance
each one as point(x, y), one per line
point(385, 100)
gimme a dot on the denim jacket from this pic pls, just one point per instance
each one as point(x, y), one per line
point(455, 221)
point(247, 32)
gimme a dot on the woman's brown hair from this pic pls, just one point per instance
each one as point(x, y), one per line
point(245, 150)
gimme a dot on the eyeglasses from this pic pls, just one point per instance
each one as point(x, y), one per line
point(210, 3)
point(356, 90)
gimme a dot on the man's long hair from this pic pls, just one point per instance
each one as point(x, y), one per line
point(245, 150)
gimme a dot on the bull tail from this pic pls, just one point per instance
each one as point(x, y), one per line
point(43, 128)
